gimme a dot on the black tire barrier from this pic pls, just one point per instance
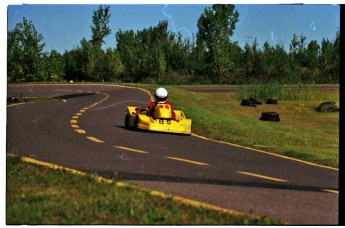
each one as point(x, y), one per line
point(270, 116)
point(329, 106)
point(14, 99)
point(247, 102)
point(255, 101)
point(272, 101)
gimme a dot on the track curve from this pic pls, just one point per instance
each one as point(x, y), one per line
point(86, 132)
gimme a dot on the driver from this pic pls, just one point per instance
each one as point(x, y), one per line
point(161, 96)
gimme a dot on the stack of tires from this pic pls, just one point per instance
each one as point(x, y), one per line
point(251, 102)
point(265, 116)
point(271, 101)
point(329, 106)
point(270, 116)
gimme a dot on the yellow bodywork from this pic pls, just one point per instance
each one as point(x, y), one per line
point(162, 121)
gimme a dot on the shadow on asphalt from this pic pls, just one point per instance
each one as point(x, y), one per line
point(187, 180)
point(150, 132)
point(74, 95)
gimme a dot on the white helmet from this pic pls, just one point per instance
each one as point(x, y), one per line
point(161, 95)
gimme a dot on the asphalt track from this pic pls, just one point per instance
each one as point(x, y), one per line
point(86, 132)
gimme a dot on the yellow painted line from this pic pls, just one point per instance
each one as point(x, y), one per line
point(51, 166)
point(331, 191)
point(262, 176)
point(188, 161)
point(265, 152)
point(16, 104)
point(162, 195)
point(144, 90)
point(131, 149)
point(94, 139)
point(74, 120)
point(80, 131)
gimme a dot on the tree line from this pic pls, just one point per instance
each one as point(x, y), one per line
point(156, 55)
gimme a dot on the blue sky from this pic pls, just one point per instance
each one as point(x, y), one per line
point(63, 26)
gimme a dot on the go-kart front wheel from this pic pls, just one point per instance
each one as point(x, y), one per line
point(127, 121)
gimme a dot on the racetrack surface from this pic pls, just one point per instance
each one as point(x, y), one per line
point(86, 132)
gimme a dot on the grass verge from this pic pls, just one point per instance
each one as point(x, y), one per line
point(38, 195)
point(302, 132)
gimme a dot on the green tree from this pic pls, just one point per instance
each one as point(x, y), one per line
point(112, 66)
point(25, 51)
point(54, 66)
point(129, 47)
point(144, 53)
point(153, 56)
point(313, 54)
point(330, 60)
point(86, 62)
point(100, 28)
point(281, 64)
point(215, 27)
point(73, 65)
point(298, 50)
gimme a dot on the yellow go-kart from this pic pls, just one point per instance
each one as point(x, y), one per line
point(161, 121)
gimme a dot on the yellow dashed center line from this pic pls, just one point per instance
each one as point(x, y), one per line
point(188, 161)
point(131, 149)
point(74, 119)
point(80, 131)
point(331, 191)
point(94, 139)
point(262, 176)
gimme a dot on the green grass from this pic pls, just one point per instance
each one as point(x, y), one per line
point(38, 195)
point(299, 92)
point(302, 132)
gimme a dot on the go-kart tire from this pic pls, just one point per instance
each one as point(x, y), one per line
point(127, 121)
point(271, 101)
point(255, 101)
point(273, 119)
point(270, 116)
point(247, 102)
point(329, 106)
